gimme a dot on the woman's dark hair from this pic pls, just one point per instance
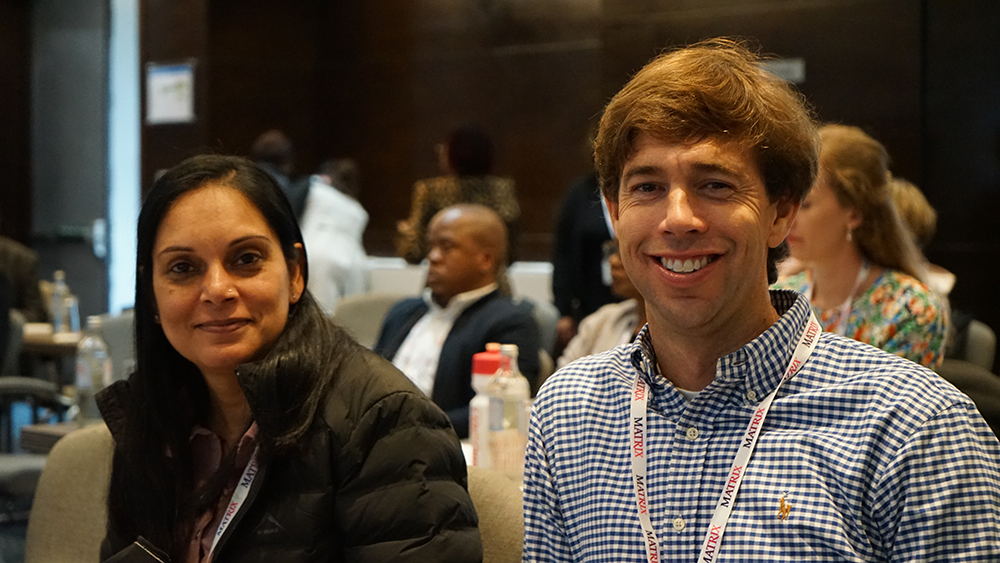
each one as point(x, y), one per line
point(151, 490)
point(470, 151)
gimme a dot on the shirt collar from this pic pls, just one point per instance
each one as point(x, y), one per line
point(458, 303)
point(761, 362)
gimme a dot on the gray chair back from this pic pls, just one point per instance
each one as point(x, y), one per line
point(980, 344)
point(501, 516)
point(118, 333)
point(362, 314)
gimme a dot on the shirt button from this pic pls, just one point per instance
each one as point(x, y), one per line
point(679, 524)
point(751, 394)
point(692, 433)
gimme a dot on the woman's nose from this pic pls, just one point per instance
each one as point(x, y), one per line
point(218, 285)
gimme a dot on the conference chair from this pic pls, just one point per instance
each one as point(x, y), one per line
point(361, 315)
point(501, 516)
point(68, 517)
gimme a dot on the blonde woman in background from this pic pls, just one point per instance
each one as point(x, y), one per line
point(921, 220)
point(862, 270)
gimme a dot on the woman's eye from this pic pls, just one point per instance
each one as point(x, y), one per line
point(248, 258)
point(180, 268)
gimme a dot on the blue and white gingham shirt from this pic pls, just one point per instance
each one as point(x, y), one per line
point(878, 458)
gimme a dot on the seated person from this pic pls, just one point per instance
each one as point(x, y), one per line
point(466, 161)
point(733, 428)
point(432, 338)
point(862, 270)
point(20, 264)
point(613, 324)
point(921, 220)
point(333, 223)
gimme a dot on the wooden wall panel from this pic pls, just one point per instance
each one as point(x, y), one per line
point(863, 58)
point(962, 149)
point(15, 119)
point(172, 31)
point(382, 82)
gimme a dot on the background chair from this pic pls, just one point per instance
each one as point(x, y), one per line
point(68, 516)
point(361, 315)
point(980, 384)
point(119, 334)
point(546, 316)
point(980, 344)
point(37, 393)
point(501, 517)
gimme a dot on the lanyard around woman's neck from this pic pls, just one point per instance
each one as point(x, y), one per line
point(238, 499)
point(845, 307)
point(724, 508)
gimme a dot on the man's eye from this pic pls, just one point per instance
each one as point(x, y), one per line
point(644, 187)
point(715, 186)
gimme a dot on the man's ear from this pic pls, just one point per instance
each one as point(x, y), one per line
point(785, 211)
point(489, 262)
point(296, 272)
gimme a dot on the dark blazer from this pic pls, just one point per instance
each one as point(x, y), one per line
point(494, 318)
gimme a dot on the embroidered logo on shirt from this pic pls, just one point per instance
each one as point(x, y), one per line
point(784, 507)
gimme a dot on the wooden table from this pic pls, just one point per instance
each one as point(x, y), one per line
point(49, 354)
point(38, 342)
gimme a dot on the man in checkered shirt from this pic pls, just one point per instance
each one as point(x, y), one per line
point(704, 159)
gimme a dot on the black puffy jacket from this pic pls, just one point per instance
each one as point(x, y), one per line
point(379, 475)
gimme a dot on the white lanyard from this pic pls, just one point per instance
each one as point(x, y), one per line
point(239, 496)
point(640, 399)
point(607, 217)
point(845, 307)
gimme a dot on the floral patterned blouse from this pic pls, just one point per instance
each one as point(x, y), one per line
point(898, 314)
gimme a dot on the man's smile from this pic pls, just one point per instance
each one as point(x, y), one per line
point(687, 265)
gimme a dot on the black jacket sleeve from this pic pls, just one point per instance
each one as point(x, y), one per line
point(404, 493)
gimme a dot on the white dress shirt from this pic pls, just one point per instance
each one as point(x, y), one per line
point(419, 353)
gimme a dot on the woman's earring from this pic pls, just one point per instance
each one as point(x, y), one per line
point(850, 234)
point(156, 318)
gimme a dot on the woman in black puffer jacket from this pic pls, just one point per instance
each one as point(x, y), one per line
point(253, 428)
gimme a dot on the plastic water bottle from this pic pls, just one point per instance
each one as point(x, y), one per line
point(484, 367)
point(510, 394)
point(93, 371)
point(65, 307)
point(60, 313)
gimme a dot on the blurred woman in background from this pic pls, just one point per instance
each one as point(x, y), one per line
point(862, 270)
point(466, 159)
point(253, 429)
